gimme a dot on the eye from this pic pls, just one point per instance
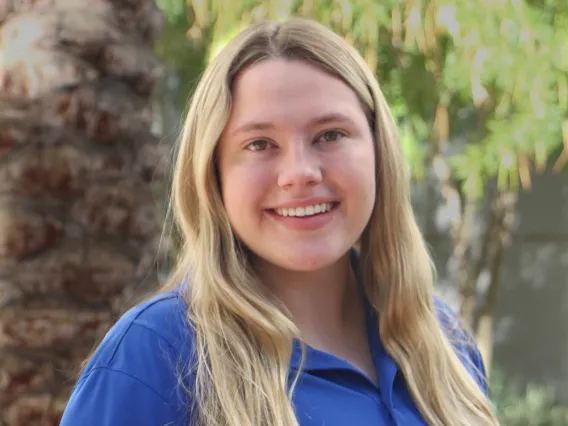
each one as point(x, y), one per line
point(258, 145)
point(330, 136)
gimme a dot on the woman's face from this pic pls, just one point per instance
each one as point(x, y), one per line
point(297, 165)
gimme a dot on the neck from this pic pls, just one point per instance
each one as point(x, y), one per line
point(324, 303)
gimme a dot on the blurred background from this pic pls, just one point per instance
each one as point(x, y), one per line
point(92, 94)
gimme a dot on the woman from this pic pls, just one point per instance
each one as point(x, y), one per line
point(288, 160)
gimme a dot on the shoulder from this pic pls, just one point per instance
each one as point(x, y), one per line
point(151, 329)
point(462, 341)
point(133, 377)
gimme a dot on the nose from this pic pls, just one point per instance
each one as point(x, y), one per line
point(299, 167)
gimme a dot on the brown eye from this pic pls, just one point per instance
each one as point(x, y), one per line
point(330, 136)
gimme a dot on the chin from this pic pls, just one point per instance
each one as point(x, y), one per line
point(303, 262)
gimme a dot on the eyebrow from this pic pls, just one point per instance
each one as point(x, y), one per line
point(266, 125)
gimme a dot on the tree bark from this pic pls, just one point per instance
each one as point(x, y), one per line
point(79, 224)
point(499, 234)
point(476, 309)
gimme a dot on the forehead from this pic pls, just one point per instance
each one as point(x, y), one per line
point(289, 89)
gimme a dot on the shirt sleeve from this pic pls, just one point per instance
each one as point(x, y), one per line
point(464, 344)
point(137, 374)
point(107, 397)
point(479, 372)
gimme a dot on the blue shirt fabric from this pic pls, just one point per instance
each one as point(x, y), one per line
point(135, 376)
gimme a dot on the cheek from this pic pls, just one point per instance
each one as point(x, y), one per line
point(243, 190)
point(357, 170)
point(368, 168)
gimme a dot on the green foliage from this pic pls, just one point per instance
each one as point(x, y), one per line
point(492, 73)
point(184, 51)
point(531, 406)
point(173, 9)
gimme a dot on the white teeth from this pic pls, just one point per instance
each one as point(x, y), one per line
point(305, 211)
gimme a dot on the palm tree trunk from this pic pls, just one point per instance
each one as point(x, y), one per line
point(78, 220)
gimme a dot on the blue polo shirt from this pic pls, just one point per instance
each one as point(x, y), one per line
point(137, 375)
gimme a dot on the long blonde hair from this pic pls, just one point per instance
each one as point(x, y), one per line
point(243, 336)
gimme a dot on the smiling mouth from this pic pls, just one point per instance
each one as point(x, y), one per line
point(305, 211)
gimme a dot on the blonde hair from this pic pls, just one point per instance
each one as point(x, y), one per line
point(243, 336)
